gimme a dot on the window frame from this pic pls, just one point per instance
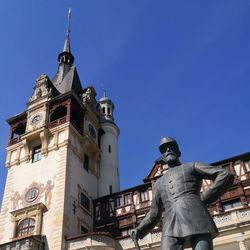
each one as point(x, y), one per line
point(120, 203)
point(36, 153)
point(231, 205)
point(124, 199)
point(86, 162)
point(84, 201)
point(28, 229)
point(144, 196)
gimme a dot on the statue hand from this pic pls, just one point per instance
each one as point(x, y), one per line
point(134, 234)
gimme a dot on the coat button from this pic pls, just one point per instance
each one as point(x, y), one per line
point(170, 181)
point(171, 187)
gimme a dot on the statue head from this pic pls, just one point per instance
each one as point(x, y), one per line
point(169, 149)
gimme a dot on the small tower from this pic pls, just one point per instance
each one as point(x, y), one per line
point(109, 181)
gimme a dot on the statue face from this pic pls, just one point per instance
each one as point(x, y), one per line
point(170, 153)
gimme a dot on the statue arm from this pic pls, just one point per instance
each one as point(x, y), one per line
point(152, 217)
point(221, 178)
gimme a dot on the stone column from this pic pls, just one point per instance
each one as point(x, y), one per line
point(38, 224)
point(14, 228)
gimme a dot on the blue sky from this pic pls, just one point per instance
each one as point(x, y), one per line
point(178, 68)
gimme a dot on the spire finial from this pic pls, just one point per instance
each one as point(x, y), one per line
point(104, 90)
point(69, 16)
point(66, 47)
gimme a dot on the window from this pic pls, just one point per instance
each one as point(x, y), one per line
point(84, 230)
point(103, 110)
point(25, 227)
point(109, 111)
point(86, 163)
point(247, 165)
point(231, 204)
point(110, 189)
point(127, 199)
point(125, 232)
point(106, 209)
point(144, 196)
point(109, 148)
point(31, 195)
point(85, 202)
point(98, 213)
point(118, 201)
point(24, 219)
point(36, 154)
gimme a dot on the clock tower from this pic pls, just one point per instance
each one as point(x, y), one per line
point(57, 161)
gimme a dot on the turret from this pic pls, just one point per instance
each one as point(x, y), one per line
point(109, 181)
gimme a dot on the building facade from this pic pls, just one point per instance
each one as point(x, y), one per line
point(62, 189)
point(59, 152)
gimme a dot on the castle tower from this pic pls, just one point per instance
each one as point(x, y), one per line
point(109, 181)
point(53, 162)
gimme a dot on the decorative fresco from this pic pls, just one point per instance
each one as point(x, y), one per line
point(34, 193)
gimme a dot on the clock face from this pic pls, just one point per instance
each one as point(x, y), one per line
point(35, 119)
point(92, 131)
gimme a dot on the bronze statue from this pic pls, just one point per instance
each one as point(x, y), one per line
point(186, 220)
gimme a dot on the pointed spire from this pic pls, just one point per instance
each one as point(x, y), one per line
point(66, 57)
point(66, 77)
point(66, 47)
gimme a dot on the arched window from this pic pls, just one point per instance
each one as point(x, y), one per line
point(25, 227)
point(103, 110)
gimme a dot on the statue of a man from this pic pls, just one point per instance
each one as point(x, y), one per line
point(177, 193)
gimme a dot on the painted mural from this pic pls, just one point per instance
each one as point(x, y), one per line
point(34, 193)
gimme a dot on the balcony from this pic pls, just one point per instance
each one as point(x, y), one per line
point(27, 243)
point(233, 222)
point(232, 218)
point(92, 241)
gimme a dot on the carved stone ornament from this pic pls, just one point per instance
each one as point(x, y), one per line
point(88, 97)
point(41, 88)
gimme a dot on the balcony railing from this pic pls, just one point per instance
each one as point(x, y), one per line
point(233, 217)
point(26, 243)
point(229, 219)
point(93, 241)
point(15, 140)
point(57, 122)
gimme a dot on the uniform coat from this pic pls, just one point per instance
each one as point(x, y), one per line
point(177, 193)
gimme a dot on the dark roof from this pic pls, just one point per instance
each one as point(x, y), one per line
point(244, 156)
point(16, 117)
point(70, 81)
